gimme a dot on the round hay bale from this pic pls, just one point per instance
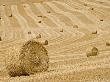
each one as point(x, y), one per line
point(75, 26)
point(92, 51)
point(91, 8)
point(0, 39)
point(39, 21)
point(29, 32)
point(39, 36)
point(101, 20)
point(30, 58)
point(85, 4)
point(94, 32)
point(108, 43)
point(10, 15)
point(61, 30)
point(46, 42)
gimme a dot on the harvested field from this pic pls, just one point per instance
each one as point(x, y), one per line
point(70, 27)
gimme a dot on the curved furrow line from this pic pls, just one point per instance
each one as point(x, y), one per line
point(6, 25)
point(61, 16)
point(75, 60)
point(78, 45)
point(46, 33)
point(5, 21)
point(76, 14)
point(75, 47)
point(50, 16)
point(13, 20)
point(107, 1)
point(18, 34)
point(103, 3)
point(7, 36)
point(68, 14)
point(75, 5)
point(45, 19)
point(65, 40)
point(34, 17)
point(52, 34)
point(68, 48)
point(44, 12)
point(74, 33)
point(89, 15)
point(0, 17)
point(96, 8)
point(93, 3)
point(13, 37)
point(104, 14)
point(92, 25)
point(30, 21)
point(41, 31)
point(24, 25)
point(72, 19)
point(72, 9)
point(85, 65)
point(101, 11)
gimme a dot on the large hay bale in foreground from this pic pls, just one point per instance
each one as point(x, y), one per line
point(92, 51)
point(30, 59)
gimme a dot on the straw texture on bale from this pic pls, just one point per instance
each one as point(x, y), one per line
point(31, 58)
point(92, 51)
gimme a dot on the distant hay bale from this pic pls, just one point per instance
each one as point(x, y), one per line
point(39, 21)
point(10, 15)
point(95, 32)
point(48, 12)
point(92, 51)
point(0, 39)
point(29, 32)
point(46, 42)
point(30, 58)
point(3, 4)
point(91, 8)
point(39, 16)
point(61, 30)
point(101, 19)
point(24, 5)
point(39, 36)
point(75, 26)
point(85, 4)
point(108, 43)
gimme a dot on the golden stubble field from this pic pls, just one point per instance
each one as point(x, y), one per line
point(70, 26)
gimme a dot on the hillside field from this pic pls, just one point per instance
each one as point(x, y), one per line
point(70, 26)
